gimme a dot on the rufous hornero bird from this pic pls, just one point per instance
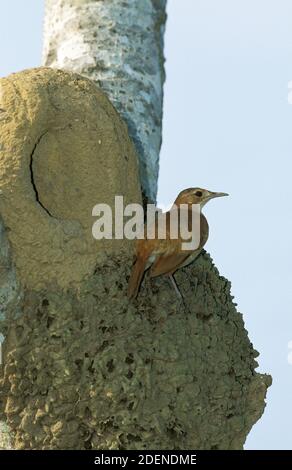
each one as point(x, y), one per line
point(165, 256)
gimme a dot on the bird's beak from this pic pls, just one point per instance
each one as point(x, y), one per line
point(212, 195)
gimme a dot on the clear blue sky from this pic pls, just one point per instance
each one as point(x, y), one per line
point(227, 127)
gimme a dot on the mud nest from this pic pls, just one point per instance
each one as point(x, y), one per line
point(89, 369)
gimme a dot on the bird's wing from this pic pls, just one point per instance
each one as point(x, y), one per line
point(168, 264)
point(174, 257)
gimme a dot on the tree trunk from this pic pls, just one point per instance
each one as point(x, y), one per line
point(119, 45)
point(83, 366)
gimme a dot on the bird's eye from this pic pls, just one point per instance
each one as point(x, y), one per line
point(199, 193)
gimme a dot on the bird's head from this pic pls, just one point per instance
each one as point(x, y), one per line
point(196, 196)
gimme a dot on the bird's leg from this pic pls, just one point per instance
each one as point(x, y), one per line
point(196, 285)
point(178, 292)
point(174, 284)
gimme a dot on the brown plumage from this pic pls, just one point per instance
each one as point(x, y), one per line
point(165, 256)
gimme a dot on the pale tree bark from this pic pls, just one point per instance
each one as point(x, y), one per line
point(119, 45)
point(85, 368)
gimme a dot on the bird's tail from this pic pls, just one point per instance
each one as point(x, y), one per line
point(136, 277)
